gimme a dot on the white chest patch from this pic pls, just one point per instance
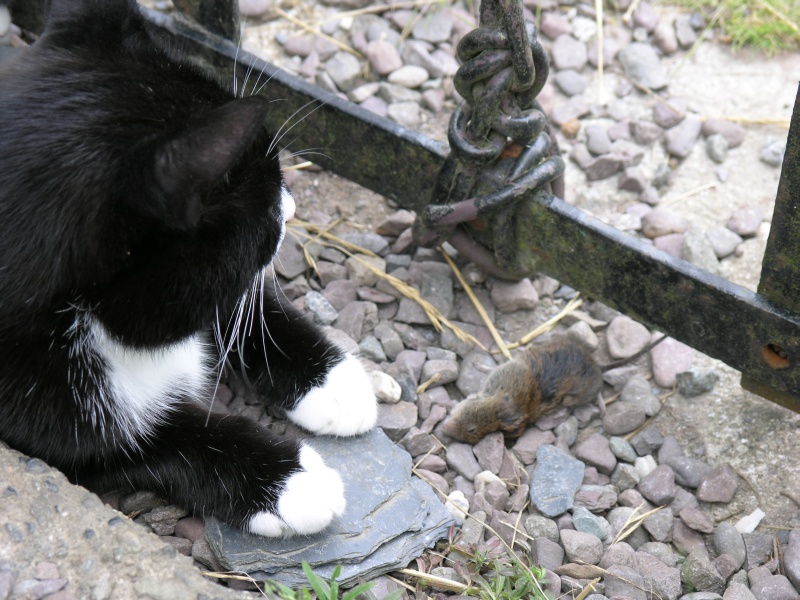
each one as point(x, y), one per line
point(139, 386)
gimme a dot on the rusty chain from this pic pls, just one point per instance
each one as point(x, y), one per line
point(499, 147)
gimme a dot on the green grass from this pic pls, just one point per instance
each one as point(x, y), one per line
point(322, 590)
point(767, 25)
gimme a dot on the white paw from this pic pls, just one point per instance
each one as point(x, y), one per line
point(344, 405)
point(308, 503)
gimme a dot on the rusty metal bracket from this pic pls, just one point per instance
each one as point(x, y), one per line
point(756, 333)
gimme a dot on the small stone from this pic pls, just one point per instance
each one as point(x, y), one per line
point(696, 519)
point(665, 38)
point(318, 305)
point(659, 525)
point(728, 541)
point(473, 529)
point(404, 113)
point(746, 220)
point(723, 241)
point(510, 297)
point(669, 115)
point(719, 485)
point(489, 452)
point(554, 481)
point(738, 591)
point(696, 381)
point(623, 417)
point(433, 99)
point(681, 139)
point(435, 28)
point(538, 526)
point(527, 445)
point(397, 419)
point(570, 82)
point(698, 251)
point(669, 358)
point(568, 53)
point(772, 152)
point(732, 132)
point(595, 451)
point(699, 573)
point(758, 548)
point(344, 69)
point(555, 24)
point(632, 179)
point(585, 521)
point(622, 449)
point(182, 545)
point(774, 587)
point(546, 553)
point(581, 547)
point(641, 63)
point(661, 581)
point(596, 498)
point(689, 471)
point(687, 540)
point(597, 140)
point(461, 459)
point(717, 148)
point(567, 432)
point(645, 133)
point(622, 581)
point(473, 372)
point(162, 519)
point(626, 337)
point(725, 565)
point(659, 486)
point(410, 76)
point(684, 32)
point(645, 465)
point(660, 221)
point(648, 440)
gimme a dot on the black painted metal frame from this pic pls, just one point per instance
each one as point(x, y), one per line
point(756, 333)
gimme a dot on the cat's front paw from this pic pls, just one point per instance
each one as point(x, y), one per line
point(309, 501)
point(344, 405)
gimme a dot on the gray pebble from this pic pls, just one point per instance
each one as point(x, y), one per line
point(661, 221)
point(681, 139)
point(321, 308)
point(699, 573)
point(397, 419)
point(461, 459)
point(738, 591)
point(660, 580)
point(595, 451)
point(719, 485)
point(404, 113)
point(623, 417)
point(717, 147)
point(723, 241)
point(511, 297)
point(645, 132)
point(696, 519)
point(434, 28)
point(567, 431)
point(641, 63)
point(758, 548)
point(632, 179)
point(596, 498)
point(684, 32)
point(344, 69)
point(546, 553)
point(585, 521)
point(555, 24)
point(698, 250)
point(732, 132)
point(568, 53)
point(772, 152)
point(622, 449)
point(688, 471)
point(775, 587)
point(626, 337)
point(648, 440)
point(659, 525)
point(570, 82)
point(668, 115)
point(393, 93)
point(597, 140)
point(665, 38)
point(538, 526)
point(659, 486)
point(581, 547)
point(624, 581)
point(447, 370)
point(473, 371)
point(410, 76)
point(554, 481)
point(746, 220)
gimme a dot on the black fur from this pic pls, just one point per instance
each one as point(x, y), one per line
point(139, 194)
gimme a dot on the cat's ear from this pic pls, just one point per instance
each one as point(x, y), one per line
point(207, 149)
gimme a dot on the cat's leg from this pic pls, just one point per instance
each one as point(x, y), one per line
point(321, 388)
point(231, 468)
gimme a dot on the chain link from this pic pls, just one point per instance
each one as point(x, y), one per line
point(499, 147)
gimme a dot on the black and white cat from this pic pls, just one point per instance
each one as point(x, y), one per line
point(139, 205)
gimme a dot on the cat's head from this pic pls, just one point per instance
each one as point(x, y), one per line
point(114, 154)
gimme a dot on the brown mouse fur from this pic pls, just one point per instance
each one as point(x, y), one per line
point(545, 377)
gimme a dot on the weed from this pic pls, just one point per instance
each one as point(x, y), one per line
point(322, 589)
point(767, 25)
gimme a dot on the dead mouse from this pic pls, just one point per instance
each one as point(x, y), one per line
point(545, 377)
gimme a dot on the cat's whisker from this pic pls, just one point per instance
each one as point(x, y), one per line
point(256, 92)
point(279, 136)
point(247, 75)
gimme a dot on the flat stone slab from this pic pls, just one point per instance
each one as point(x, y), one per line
point(391, 518)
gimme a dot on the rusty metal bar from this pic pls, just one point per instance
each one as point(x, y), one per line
point(780, 268)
